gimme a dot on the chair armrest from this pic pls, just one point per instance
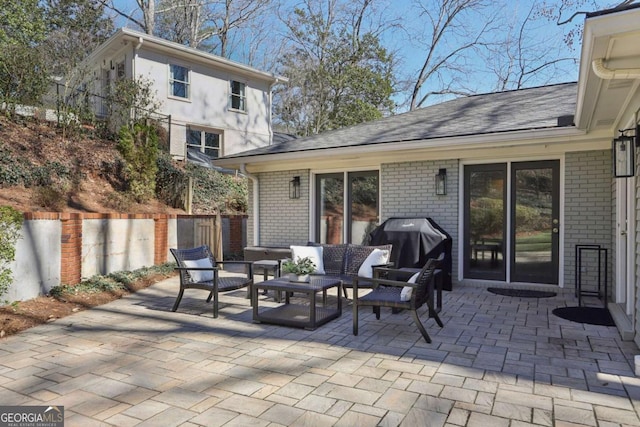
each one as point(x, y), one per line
point(196, 268)
point(396, 283)
point(235, 262)
point(385, 282)
point(248, 265)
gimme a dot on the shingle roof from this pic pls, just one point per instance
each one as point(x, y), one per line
point(524, 109)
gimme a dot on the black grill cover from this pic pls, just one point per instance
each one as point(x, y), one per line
point(414, 241)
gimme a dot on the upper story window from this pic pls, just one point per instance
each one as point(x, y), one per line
point(178, 81)
point(237, 99)
point(207, 142)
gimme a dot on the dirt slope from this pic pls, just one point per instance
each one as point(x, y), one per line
point(95, 159)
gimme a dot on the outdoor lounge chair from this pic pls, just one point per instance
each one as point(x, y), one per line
point(389, 293)
point(199, 270)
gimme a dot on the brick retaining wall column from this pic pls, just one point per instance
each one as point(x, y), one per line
point(71, 248)
point(161, 239)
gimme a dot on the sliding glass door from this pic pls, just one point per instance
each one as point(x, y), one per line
point(485, 221)
point(535, 222)
point(531, 252)
point(346, 213)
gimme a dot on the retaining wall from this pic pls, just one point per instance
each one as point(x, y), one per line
point(62, 248)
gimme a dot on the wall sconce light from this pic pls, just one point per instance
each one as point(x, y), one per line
point(294, 188)
point(441, 182)
point(623, 148)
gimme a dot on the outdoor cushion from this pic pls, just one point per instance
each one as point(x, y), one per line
point(200, 275)
point(313, 252)
point(376, 257)
point(405, 295)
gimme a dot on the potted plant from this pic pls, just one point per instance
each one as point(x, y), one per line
point(299, 269)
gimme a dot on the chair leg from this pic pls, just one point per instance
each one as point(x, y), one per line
point(344, 290)
point(423, 331)
point(209, 297)
point(215, 305)
point(178, 299)
point(376, 310)
point(433, 313)
point(355, 317)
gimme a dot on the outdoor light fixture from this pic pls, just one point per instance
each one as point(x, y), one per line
point(441, 182)
point(623, 148)
point(294, 188)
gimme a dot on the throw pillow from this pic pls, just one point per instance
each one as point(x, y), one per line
point(200, 275)
point(313, 252)
point(405, 294)
point(376, 257)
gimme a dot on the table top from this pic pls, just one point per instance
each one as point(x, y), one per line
point(316, 283)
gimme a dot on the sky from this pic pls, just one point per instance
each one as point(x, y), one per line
point(407, 36)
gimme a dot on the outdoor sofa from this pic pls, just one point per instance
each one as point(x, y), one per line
point(346, 261)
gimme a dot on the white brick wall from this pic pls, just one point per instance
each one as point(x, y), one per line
point(283, 221)
point(408, 189)
point(588, 214)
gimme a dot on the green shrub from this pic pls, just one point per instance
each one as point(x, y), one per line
point(171, 182)
point(120, 202)
point(213, 189)
point(139, 148)
point(50, 198)
point(10, 226)
point(111, 282)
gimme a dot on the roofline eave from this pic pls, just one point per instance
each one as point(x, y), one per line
point(490, 140)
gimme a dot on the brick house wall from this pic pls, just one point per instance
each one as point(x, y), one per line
point(283, 221)
point(408, 189)
point(588, 211)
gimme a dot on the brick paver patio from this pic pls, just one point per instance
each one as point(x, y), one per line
point(499, 361)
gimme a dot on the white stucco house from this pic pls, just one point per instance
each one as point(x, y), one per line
point(213, 105)
point(528, 176)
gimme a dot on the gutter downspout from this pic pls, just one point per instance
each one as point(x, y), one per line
point(271, 111)
point(136, 48)
point(256, 204)
point(608, 74)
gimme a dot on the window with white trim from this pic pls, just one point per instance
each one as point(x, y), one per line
point(178, 81)
point(346, 213)
point(207, 142)
point(237, 98)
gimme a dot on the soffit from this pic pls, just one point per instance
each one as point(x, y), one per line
point(606, 104)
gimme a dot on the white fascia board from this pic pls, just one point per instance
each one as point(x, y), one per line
point(201, 56)
point(447, 146)
point(603, 26)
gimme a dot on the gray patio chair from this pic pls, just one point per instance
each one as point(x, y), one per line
point(387, 293)
point(199, 270)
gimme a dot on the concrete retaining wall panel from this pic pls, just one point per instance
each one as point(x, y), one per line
point(116, 245)
point(37, 266)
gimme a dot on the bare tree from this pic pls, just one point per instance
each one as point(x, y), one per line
point(184, 21)
point(448, 35)
point(526, 54)
point(339, 72)
point(218, 26)
point(146, 7)
point(564, 12)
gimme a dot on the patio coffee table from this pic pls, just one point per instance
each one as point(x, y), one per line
point(298, 315)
